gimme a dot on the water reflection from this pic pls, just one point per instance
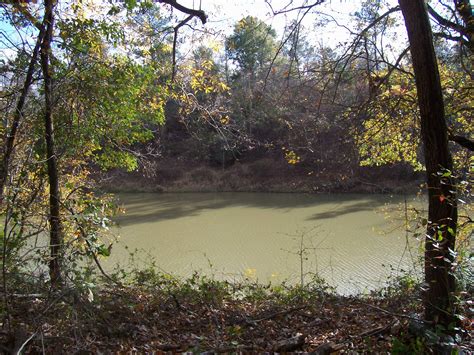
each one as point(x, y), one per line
point(227, 234)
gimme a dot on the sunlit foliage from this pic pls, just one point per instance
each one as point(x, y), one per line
point(390, 132)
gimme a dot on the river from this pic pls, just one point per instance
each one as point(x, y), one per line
point(355, 242)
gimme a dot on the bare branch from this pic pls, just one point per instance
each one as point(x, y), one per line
point(444, 22)
point(296, 27)
point(175, 39)
point(191, 12)
point(18, 114)
point(296, 8)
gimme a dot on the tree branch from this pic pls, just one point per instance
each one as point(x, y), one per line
point(464, 8)
point(18, 114)
point(24, 11)
point(296, 8)
point(193, 13)
point(450, 37)
point(462, 141)
point(175, 39)
point(445, 22)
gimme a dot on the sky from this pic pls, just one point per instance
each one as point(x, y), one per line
point(224, 11)
point(223, 14)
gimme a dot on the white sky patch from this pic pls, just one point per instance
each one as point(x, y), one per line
point(223, 14)
point(337, 15)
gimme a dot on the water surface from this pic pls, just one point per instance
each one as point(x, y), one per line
point(347, 239)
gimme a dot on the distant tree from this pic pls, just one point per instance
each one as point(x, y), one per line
point(296, 49)
point(251, 45)
point(150, 38)
point(203, 98)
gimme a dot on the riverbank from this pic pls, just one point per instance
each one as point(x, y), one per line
point(150, 312)
point(261, 175)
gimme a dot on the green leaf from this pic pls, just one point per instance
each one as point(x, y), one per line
point(103, 250)
point(130, 4)
point(440, 236)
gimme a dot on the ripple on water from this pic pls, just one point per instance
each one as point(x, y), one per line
point(227, 234)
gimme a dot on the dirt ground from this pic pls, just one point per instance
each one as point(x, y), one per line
point(215, 317)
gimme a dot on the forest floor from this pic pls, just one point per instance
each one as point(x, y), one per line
point(157, 313)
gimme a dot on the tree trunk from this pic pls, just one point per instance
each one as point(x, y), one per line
point(442, 211)
point(53, 176)
point(18, 115)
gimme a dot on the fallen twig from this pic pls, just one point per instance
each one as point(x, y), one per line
point(20, 349)
point(376, 331)
point(276, 314)
point(27, 295)
point(393, 314)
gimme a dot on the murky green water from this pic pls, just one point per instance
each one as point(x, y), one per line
point(346, 239)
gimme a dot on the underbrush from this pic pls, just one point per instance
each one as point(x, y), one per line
point(145, 310)
point(259, 174)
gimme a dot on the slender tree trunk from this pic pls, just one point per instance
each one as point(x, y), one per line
point(53, 176)
point(442, 211)
point(18, 115)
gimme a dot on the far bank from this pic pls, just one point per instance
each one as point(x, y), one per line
point(265, 174)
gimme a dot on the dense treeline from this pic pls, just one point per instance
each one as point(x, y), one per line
point(96, 89)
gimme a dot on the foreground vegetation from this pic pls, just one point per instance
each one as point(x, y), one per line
point(148, 311)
